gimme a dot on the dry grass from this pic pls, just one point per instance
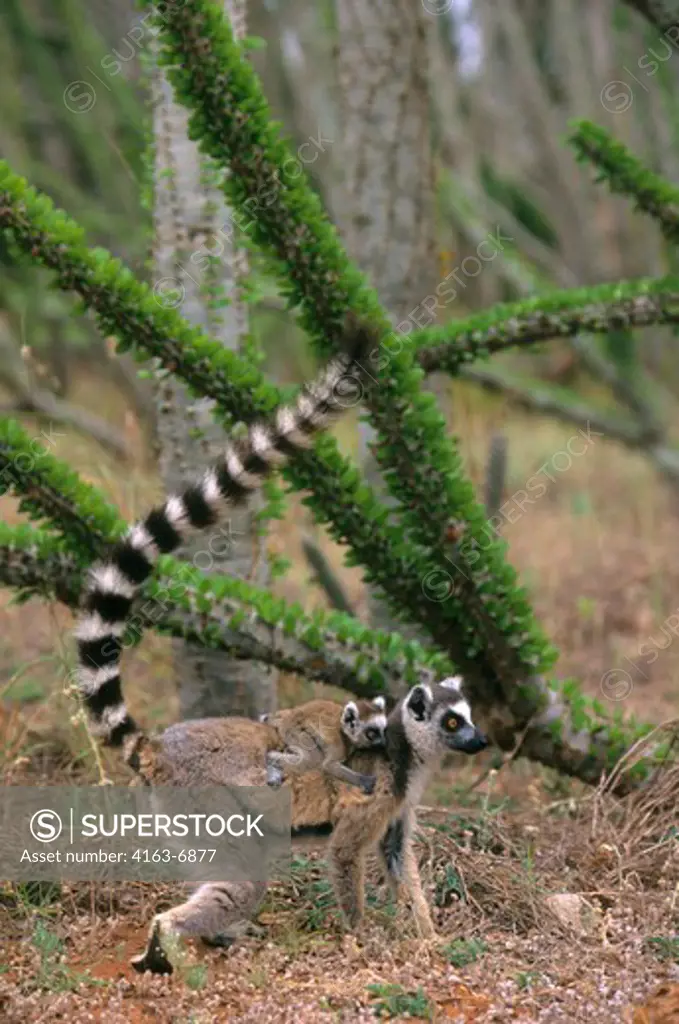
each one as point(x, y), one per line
point(598, 552)
point(501, 953)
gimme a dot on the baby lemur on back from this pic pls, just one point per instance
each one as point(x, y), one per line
point(322, 734)
point(425, 725)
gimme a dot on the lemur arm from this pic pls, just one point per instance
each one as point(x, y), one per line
point(295, 761)
point(339, 771)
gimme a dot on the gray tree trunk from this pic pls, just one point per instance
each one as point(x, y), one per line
point(191, 218)
point(385, 191)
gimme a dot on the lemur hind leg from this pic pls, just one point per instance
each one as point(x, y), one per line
point(219, 913)
point(359, 827)
point(391, 855)
point(403, 873)
point(347, 872)
point(412, 883)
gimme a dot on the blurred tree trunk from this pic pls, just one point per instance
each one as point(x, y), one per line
point(294, 70)
point(384, 202)
point(192, 218)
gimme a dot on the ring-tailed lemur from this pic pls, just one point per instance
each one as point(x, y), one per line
point(114, 583)
point(429, 722)
point(322, 734)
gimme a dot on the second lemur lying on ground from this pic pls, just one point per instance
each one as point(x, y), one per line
point(322, 734)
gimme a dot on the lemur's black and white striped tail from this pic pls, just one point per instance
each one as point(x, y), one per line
point(245, 464)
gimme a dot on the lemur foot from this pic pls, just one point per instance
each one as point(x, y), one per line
point(224, 940)
point(153, 958)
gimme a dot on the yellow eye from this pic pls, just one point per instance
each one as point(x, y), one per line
point(453, 723)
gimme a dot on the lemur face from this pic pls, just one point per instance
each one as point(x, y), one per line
point(365, 725)
point(438, 719)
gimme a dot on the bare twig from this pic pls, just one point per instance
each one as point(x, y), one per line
point(542, 401)
point(496, 474)
point(326, 577)
point(631, 434)
point(44, 404)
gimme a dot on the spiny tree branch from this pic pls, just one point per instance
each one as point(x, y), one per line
point(49, 489)
point(568, 731)
point(338, 496)
point(559, 314)
point(326, 648)
point(86, 525)
point(475, 613)
point(421, 467)
point(626, 175)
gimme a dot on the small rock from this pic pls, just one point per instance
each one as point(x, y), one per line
point(572, 911)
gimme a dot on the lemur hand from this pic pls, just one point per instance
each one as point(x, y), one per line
point(368, 784)
point(274, 776)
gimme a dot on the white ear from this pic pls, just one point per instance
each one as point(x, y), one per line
point(350, 713)
point(264, 717)
point(419, 700)
point(379, 703)
point(452, 683)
